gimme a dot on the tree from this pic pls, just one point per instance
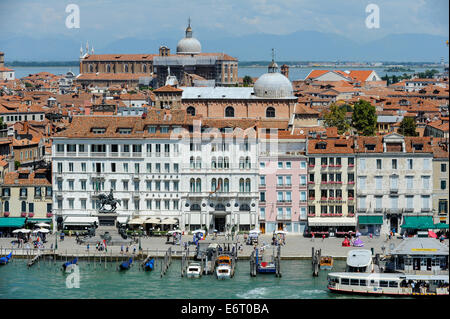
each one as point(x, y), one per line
point(247, 80)
point(408, 127)
point(335, 117)
point(364, 118)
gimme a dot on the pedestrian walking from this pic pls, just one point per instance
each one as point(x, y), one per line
point(312, 236)
point(323, 237)
point(126, 249)
point(87, 247)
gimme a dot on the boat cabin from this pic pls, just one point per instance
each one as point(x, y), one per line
point(359, 260)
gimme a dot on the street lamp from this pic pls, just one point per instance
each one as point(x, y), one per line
point(140, 233)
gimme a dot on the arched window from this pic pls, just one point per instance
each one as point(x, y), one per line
point(244, 208)
point(270, 112)
point(247, 163)
point(229, 112)
point(213, 185)
point(192, 184)
point(190, 110)
point(213, 163)
point(220, 207)
point(24, 206)
point(220, 185)
point(126, 67)
point(144, 68)
point(198, 185)
point(241, 163)
point(241, 185)
point(247, 185)
point(195, 207)
point(226, 163)
point(191, 160)
point(198, 162)
point(226, 185)
point(220, 162)
point(108, 68)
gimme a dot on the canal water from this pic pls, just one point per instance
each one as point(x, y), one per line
point(45, 280)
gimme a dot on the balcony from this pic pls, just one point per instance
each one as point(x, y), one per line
point(408, 210)
point(98, 154)
point(393, 190)
point(137, 154)
point(284, 217)
point(71, 154)
point(350, 166)
point(378, 210)
point(426, 210)
point(311, 214)
point(362, 210)
point(311, 165)
point(352, 183)
point(323, 166)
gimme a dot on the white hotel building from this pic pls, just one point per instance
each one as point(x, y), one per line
point(394, 181)
point(153, 174)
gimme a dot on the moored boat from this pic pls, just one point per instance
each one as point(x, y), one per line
point(149, 265)
point(194, 270)
point(126, 264)
point(4, 260)
point(67, 267)
point(223, 268)
point(326, 262)
point(265, 263)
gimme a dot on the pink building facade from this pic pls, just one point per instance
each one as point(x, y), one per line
point(283, 192)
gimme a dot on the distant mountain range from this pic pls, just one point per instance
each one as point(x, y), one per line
point(298, 46)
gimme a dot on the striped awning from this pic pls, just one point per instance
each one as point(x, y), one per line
point(80, 220)
point(136, 221)
point(331, 221)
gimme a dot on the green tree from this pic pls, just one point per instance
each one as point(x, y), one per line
point(247, 80)
point(16, 165)
point(364, 118)
point(408, 127)
point(335, 117)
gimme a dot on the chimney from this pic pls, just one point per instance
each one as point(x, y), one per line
point(285, 70)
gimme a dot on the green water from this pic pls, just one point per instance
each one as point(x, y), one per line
point(46, 280)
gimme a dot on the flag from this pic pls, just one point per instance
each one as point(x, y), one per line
point(104, 243)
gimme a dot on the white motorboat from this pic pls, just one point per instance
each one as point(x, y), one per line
point(194, 270)
point(223, 268)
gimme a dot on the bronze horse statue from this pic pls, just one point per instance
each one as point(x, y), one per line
point(108, 200)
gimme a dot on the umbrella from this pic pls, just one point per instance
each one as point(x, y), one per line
point(22, 230)
point(280, 232)
point(136, 221)
point(358, 234)
point(198, 231)
point(42, 230)
point(169, 221)
point(175, 231)
point(43, 225)
point(432, 234)
point(256, 231)
point(152, 220)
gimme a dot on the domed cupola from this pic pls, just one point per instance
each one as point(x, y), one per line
point(189, 45)
point(273, 84)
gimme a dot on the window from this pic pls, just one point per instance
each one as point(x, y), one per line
point(362, 182)
point(229, 112)
point(425, 202)
point(262, 212)
point(302, 180)
point(394, 164)
point(262, 196)
point(270, 112)
point(280, 180)
point(425, 182)
point(362, 163)
point(83, 185)
point(288, 165)
point(280, 164)
point(303, 195)
point(71, 184)
point(70, 167)
point(409, 162)
point(410, 202)
point(378, 182)
point(37, 192)
point(443, 168)
point(409, 182)
point(125, 167)
point(394, 182)
point(302, 164)
point(191, 110)
point(426, 163)
point(83, 203)
point(378, 202)
point(443, 184)
point(262, 180)
point(125, 185)
point(379, 163)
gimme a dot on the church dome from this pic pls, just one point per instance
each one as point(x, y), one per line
point(189, 45)
point(273, 85)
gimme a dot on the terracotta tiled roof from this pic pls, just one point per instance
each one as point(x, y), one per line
point(12, 178)
point(168, 88)
point(330, 146)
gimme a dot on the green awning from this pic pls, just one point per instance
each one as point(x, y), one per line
point(39, 220)
point(418, 222)
point(440, 226)
point(370, 220)
point(14, 222)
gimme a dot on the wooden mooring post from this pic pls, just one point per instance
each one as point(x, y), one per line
point(278, 262)
point(253, 264)
point(316, 261)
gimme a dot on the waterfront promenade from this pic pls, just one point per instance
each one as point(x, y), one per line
point(296, 247)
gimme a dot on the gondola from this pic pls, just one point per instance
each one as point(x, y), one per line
point(126, 264)
point(68, 265)
point(149, 265)
point(4, 260)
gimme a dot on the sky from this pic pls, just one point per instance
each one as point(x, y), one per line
point(104, 21)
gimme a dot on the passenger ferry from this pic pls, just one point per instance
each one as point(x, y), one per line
point(417, 267)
